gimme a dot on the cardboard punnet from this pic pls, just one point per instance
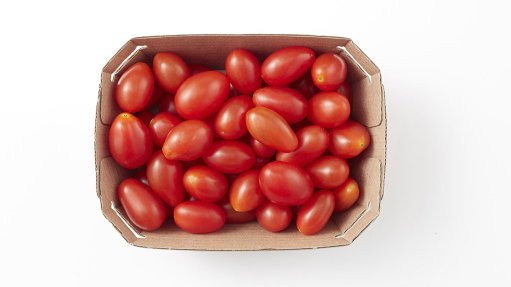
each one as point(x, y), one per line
point(211, 50)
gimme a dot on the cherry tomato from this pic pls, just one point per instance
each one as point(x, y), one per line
point(288, 103)
point(143, 207)
point(328, 172)
point(145, 117)
point(166, 104)
point(274, 217)
point(135, 88)
point(271, 129)
point(245, 193)
point(230, 157)
point(230, 119)
point(285, 184)
point(260, 149)
point(329, 72)
point(305, 86)
point(286, 65)
point(201, 95)
point(349, 140)
point(234, 217)
point(329, 109)
point(205, 183)
point(188, 140)
point(166, 178)
point(160, 126)
point(199, 217)
point(312, 143)
point(170, 71)
point(129, 141)
point(345, 90)
point(195, 69)
point(315, 213)
point(346, 195)
point(243, 70)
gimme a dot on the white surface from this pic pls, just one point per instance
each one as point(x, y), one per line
point(445, 214)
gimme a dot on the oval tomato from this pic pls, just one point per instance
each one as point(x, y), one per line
point(129, 141)
point(201, 95)
point(305, 86)
point(143, 207)
point(274, 217)
point(315, 213)
point(230, 157)
point(286, 65)
point(166, 104)
point(245, 193)
point(230, 119)
point(285, 184)
point(170, 71)
point(260, 149)
point(205, 183)
point(349, 140)
point(328, 172)
point(346, 91)
point(271, 129)
point(243, 70)
point(165, 178)
point(329, 72)
point(188, 140)
point(312, 143)
point(199, 217)
point(160, 126)
point(288, 103)
point(346, 195)
point(329, 109)
point(135, 88)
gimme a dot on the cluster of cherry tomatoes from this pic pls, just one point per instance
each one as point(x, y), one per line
point(265, 142)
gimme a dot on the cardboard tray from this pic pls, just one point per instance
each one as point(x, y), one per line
point(211, 50)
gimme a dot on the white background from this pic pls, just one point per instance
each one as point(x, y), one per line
point(445, 214)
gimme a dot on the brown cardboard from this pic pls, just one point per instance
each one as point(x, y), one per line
point(211, 50)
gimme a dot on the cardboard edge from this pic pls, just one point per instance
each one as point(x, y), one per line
point(139, 39)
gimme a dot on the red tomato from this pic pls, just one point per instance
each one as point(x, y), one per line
point(345, 90)
point(234, 217)
point(285, 184)
point(188, 140)
point(260, 162)
point(286, 65)
point(129, 141)
point(166, 104)
point(312, 143)
point(288, 103)
point(315, 213)
point(329, 72)
point(145, 117)
point(260, 149)
point(166, 178)
point(273, 217)
point(245, 193)
point(170, 71)
point(142, 176)
point(329, 109)
point(195, 69)
point(328, 172)
point(349, 139)
point(201, 95)
point(305, 86)
point(230, 119)
point(135, 88)
point(199, 217)
point(205, 183)
point(271, 129)
point(346, 195)
point(230, 157)
point(143, 207)
point(160, 126)
point(243, 70)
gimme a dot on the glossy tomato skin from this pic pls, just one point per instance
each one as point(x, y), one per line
point(329, 109)
point(328, 172)
point(165, 178)
point(170, 71)
point(230, 119)
point(245, 193)
point(129, 141)
point(160, 125)
point(286, 65)
point(201, 95)
point(287, 102)
point(349, 140)
point(260, 149)
point(305, 86)
point(315, 213)
point(188, 140)
point(329, 72)
point(205, 183)
point(345, 90)
point(312, 143)
point(230, 157)
point(274, 217)
point(285, 184)
point(143, 207)
point(271, 129)
point(135, 88)
point(346, 195)
point(243, 71)
point(199, 217)
point(166, 104)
